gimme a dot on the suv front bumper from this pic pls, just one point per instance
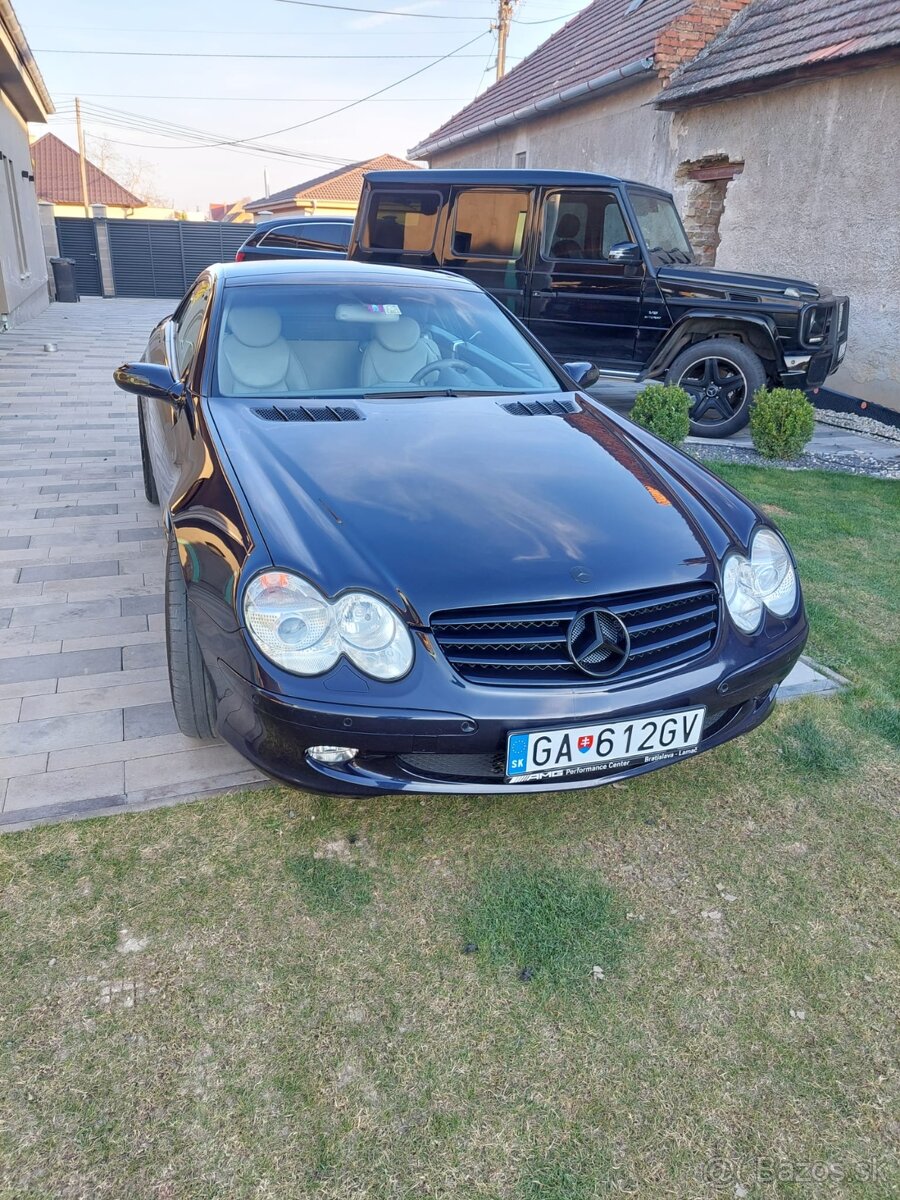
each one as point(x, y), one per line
point(811, 366)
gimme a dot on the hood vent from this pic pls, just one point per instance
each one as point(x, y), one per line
point(302, 413)
point(541, 408)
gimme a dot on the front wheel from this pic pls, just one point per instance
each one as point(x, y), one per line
point(192, 692)
point(721, 376)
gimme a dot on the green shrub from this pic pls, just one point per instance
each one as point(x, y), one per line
point(665, 411)
point(781, 422)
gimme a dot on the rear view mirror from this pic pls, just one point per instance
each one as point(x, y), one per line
point(585, 374)
point(149, 379)
point(625, 252)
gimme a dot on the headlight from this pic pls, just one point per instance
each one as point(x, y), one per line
point(764, 580)
point(372, 636)
point(295, 626)
point(815, 324)
point(773, 572)
point(292, 623)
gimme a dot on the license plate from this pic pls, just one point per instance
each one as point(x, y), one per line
point(605, 745)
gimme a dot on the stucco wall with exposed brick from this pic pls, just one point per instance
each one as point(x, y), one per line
point(818, 200)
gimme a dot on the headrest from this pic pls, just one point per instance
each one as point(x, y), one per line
point(255, 326)
point(568, 226)
point(400, 335)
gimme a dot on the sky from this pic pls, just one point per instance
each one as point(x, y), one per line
point(248, 95)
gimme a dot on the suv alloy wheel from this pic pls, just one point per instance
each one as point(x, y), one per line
point(721, 376)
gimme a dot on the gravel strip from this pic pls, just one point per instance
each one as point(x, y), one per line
point(858, 424)
point(850, 464)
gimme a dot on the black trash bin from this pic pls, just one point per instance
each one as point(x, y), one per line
point(64, 280)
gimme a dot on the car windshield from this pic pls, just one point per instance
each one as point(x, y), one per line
point(662, 229)
point(370, 338)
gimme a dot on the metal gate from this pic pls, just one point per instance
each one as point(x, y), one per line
point(163, 258)
point(77, 237)
point(149, 258)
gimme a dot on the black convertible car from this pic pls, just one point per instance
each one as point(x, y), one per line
point(407, 553)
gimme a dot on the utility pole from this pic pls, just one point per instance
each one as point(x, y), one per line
point(504, 16)
point(266, 181)
point(82, 161)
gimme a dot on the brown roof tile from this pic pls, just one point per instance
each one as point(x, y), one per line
point(602, 38)
point(775, 40)
point(57, 177)
point(342, 184)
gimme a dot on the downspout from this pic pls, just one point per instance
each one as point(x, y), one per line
point(539, 108)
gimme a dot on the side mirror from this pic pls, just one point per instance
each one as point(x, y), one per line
point(624, 252)
point(149, 379)
point(585, 374)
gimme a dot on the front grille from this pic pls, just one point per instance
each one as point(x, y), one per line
point(457, 766)
point(526, 645)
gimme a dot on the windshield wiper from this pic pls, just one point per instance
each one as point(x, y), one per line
point(414, 394)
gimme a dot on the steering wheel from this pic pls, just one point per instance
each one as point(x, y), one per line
point(452, 372)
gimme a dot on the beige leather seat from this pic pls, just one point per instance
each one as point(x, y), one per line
point(396, 352)
point(254, 358)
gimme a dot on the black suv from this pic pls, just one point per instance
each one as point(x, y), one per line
point(601, 270)
point(297, 237)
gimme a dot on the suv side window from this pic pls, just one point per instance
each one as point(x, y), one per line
point(582, 225)
point(187, 325)
point(490, 224)
point(402, 222)
point(311, 235)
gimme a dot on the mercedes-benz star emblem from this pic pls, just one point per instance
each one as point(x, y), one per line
point(598, 642)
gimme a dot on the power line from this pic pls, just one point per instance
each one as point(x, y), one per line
point(200, 138)
point(372, 95)
point(269, 99)
point(252, 143)
point(549, 20)
point(190, 54)
point(382, 12)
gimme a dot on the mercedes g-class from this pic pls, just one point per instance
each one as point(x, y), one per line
point(600, 270)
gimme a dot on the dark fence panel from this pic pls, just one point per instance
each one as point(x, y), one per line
point(149, 258)
point(77, 239)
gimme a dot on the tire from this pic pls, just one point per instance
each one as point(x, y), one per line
point(149, 482)
point(721, 375)
point(193, 697)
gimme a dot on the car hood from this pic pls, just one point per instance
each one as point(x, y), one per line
point(442, 503)
point(709, 283)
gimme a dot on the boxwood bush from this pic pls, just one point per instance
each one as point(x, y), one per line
point(664, 410)
point(781, 422)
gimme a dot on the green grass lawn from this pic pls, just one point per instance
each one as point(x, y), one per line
point(679, 987)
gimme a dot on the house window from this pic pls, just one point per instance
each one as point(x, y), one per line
point(490, 224)
point(521, 159)
point(15, 213)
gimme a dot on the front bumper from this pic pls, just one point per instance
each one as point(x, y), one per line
point(809, 368)
point(422, 751)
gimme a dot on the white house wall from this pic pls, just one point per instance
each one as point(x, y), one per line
point(20, 297)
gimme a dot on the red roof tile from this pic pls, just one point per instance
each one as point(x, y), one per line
point(342, 184)
point(604, 37)
point(57, 177)
point(777, 39)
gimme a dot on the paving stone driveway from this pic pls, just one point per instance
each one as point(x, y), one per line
point(86, 723)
